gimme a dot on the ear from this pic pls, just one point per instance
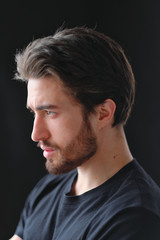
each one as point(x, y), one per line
point(106, 112)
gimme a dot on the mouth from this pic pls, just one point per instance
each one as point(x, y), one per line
point(47, 151)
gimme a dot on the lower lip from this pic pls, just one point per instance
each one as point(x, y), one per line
point(48, 154)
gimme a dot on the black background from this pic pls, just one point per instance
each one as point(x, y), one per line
point(135, 24)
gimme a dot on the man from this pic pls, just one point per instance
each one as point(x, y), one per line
point(81, 90)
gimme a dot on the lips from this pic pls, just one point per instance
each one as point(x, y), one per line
point(47, 151)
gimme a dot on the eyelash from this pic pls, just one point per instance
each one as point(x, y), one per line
point(48, 113)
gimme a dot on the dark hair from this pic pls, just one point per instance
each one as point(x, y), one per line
point(92, 65)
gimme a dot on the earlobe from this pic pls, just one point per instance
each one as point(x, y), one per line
point(106, 113)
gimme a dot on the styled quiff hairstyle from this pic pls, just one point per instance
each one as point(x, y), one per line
point(90, 64)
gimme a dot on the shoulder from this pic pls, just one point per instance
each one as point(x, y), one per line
point(139, 190)
point(131, 188)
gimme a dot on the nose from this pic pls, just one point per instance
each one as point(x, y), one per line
point(40, 131)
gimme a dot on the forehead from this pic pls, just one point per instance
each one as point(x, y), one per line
point(48, 90)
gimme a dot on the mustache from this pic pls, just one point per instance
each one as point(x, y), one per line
point(47, 144)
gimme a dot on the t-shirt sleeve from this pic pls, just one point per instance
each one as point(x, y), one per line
point(28, 206)
point(132, 224)
point(21, 224)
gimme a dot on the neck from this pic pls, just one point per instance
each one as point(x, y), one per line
point(113, 153)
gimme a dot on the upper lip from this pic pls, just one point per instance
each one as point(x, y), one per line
point(44, 148)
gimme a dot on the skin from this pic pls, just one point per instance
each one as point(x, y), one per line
point(15, 237)
point(60, 129)
point(72, 140)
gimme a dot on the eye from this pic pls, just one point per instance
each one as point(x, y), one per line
point(50, 113)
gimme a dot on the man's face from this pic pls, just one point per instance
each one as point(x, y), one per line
point(60, 127)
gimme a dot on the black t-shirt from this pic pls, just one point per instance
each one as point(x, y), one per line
point(126, 207)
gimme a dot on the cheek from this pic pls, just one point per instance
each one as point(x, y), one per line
point(64, 130)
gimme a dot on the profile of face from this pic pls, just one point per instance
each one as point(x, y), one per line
point(61, 128)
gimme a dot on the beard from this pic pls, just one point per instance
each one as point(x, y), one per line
point(75, 153)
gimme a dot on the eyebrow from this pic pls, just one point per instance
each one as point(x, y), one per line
point(42, 107)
